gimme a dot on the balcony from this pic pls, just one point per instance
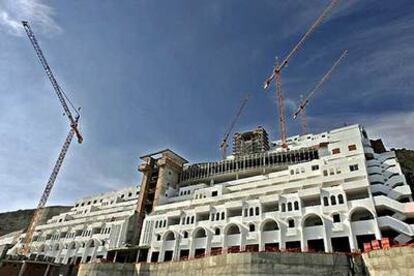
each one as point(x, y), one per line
point(337, 227)
point(291, 232)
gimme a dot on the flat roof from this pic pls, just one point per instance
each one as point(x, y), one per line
point(165, 151)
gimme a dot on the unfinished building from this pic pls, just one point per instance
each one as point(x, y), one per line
point(327, 192)
point(250, 142)
point(94, 226)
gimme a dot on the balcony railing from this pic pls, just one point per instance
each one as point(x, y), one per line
point(246, 163)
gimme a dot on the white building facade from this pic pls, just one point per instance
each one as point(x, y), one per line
point(88, 231)
point(327, 192)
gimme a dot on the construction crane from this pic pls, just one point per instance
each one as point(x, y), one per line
point(74, 130)
point(224, 145)
point(279, 67)
point(305, 101)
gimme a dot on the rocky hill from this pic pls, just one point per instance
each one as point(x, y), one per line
point(17, 220)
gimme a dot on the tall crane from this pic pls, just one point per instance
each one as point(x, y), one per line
point(281, 65)
point(224, 145)
point(305, 101)
point(74, 130)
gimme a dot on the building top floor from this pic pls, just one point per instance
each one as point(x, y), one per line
point(102, 205)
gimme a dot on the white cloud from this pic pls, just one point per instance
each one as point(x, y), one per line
point(396, 129)
point(37, 12)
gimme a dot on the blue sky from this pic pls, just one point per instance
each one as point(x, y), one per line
point(155, 74)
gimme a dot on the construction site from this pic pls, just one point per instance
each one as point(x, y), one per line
point(334, 202)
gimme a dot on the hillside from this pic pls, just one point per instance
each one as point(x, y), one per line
point(17, 220)
point(406, 159)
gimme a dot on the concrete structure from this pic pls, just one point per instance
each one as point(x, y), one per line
point(328, 192)
point(88, 231)
point(249, 142)
point(397, 261)
point(8, 241)
point(262, 263)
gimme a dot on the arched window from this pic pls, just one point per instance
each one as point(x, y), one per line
point(291, 223)
point(289, 206)
point(283, 207)
point(361, 214)
point(222, 215)
point(170, 236)
point(233, 230)
point(325, 201)
point(296, 205)
point(201, 233)
point(192, 219)
point(217, 231)
point(188, 220)
point(252, 227)
point(217, 216)
point(182, 220)
point(257, 211)
point(333, 200)
point(212, 217)
point(312, 220)
point(340, 199)
point(245, 212)
point(92, 244)
point(185, 234)
point(156, 224)
point(251, 212)
point(270, 225)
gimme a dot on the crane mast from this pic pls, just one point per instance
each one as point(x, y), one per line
point(279, 67)
point(305, 101)
point(45, 195)
point(224, 145)
point(74, 122)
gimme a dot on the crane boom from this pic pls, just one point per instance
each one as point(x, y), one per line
point(73, 120)
point(224, 145)
point(312, 28)
point(305, 101)
point(58, 90)
point(46, 193)
point(275, 75)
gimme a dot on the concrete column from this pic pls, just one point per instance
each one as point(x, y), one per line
point(116, 255)
point(326, 238)
point(352, 240)
point(22, 268)
point(176, 252)
point(378, 235)
point(208, 242)
point(162, 252)
point(283, 230)
point(303, 241)
point(192, 247)
point(149, 255)
point(84, 255)
point(95, 250)
point(260, 238)
point(47, 270)
point(243, 234)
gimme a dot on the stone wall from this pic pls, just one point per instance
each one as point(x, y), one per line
point(396, 261)
point(262, 263)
